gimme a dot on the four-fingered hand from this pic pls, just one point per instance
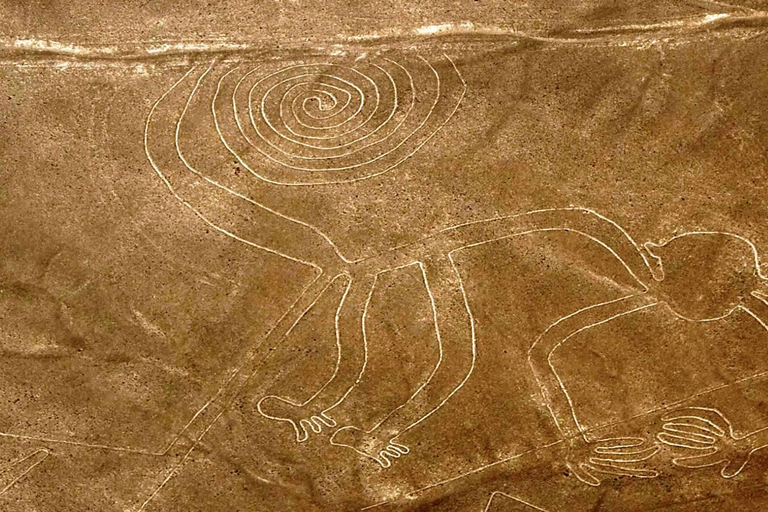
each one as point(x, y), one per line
point(298, 415)
point(707, 439)
point(588, 461)
point(381, 448)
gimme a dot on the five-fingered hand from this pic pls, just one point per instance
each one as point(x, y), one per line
point(299, 416)
point(381, 448)
point(707, 439)
point(591, 461)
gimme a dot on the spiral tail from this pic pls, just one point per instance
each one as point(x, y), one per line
point(333, 121)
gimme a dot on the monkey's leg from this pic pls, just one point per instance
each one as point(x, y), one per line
point(232, 386)
point(314, 414)
point(186, 441)
point(455, 332)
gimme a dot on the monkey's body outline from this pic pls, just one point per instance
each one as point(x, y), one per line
point(433, 255)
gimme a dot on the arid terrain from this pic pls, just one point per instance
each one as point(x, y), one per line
point(314, 256)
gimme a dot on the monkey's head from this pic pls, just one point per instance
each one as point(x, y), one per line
point(706, 275)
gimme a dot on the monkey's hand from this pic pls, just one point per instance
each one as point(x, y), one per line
point(301, 418)
point(591, 462)
point(704, 437)
point(378, 446)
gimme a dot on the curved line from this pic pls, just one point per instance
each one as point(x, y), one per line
point(439, 348)
point(265, 117)
point(348, 167)
point(359, 126)
point(187, 204)
point(474, 352)
point(314, 229)
point(381, 125)
point(352, 179)
point(394, 130)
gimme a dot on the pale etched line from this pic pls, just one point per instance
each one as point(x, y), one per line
point(678, 438)
point(563, 319)
point(365, 335)
point(700, 434)
point(13, 482)
point(317, 90)
point(383, 455)
point(237, 194)
point(141, 49)
point(360, 125)
point(249, 358)
point(612, 464)
point(357, 178)
point(499, 493)
point(264, 207)
point(609, 468)
point(756, 257)
point(474, 350)
point(473, 333)
point(650, 451)
point(439, 348)
point(318, 93)
point(186, 203)
point(753, 315)
point(347, 167)
point(394, 449)
point(608, 465)
point(16, 462)
point(200, 411)
point(215, 183)
point(316, 423)
point(370, 133)
point(332, 111)
point(756, 318)
point(239, 369)
point(741, 9)
point(81, 444)
point(471, 316)
point(580, 330)
point(365, 347)
point(178, 466)
point(682, 401)
point(265, 115)
point(441, 231)
point(484, 467)
point(731, 311)
point(339, 350)
point(360, 92)
point(692, 442)
point(703, 20)
point(567, 230)
point(167, 479)
point(393, 132)
point(286, 334)
point(642, 253)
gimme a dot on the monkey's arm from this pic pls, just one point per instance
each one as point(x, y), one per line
point(553, 391)
point(610, 235)
point(756, 304)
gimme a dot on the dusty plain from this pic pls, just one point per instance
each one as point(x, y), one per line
point(399, 256)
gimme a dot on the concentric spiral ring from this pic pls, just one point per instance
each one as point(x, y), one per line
point(330, 122)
